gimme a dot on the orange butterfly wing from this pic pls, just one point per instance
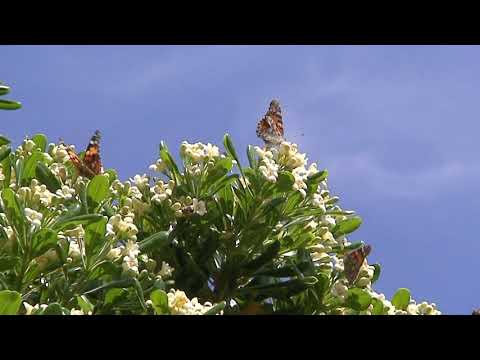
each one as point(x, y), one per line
point(353, 262)
point(91, 164)
point(270, 127)
point(92, 155)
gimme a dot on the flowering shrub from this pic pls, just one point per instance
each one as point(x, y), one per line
point(205, 236)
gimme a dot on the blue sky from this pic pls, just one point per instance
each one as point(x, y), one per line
point(396, 126)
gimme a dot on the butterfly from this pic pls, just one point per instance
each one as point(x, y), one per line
point(353, 261)
point(270, 127)
point(91, 164)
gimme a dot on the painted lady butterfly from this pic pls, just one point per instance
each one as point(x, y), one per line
point(91, 164)
point(270, 127)
point(353, 262)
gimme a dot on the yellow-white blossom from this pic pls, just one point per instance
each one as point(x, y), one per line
point(199, 207)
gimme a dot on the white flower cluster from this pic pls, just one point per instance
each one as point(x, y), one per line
point(196, 206)
point(120, 228)
point(285, 157)
point(161, 191)
point(199, 153)
point(268, 167)
point(36, 194)
point(179, 304)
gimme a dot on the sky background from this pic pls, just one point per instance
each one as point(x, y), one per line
point(396, 126)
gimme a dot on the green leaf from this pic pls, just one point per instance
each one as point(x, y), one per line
point(228, 143)
point(112, 175)
point(376, 272)
point(159, 300)
point(139, 291)
point(222, 184)
point(29, 167)
point(318, 177)
point(378, 308)
point(41, 141)
point(281, 290)
point(401, 299)
point(285, 181)
point(95, 235)
point(9, 302)
point(43, 240)
point(4, 90)
point(157, 241)
point(13, 210)
point(9, 105)
point(216, 309)
point(220, 169)
point(358, 299)
point(114, 295)
point(251, 154)
point(347, 226)
point(46, 177)
point(54, 309)
point(68, 221)
point(113, 284)
point(97, 190)
point(4, 140)
point(7, 262)
point(170, 163)
point(7, 170)
point(267, 256)
point(4, 152)
point(85, 305)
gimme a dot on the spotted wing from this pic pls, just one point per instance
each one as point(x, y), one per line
point(92, 159)
point(270, 127)
point(353, 262)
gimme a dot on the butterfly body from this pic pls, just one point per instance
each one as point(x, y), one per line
point(270, 127)
point(353, 261)
point(91, 164)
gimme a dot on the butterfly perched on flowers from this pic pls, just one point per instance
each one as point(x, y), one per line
point(353, 261)
point(91, 164)
point(270, 127)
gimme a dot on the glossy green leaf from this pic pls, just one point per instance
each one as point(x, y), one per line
point(378, 308)
point(97, 190)
point(285, 181)
point(4, 90)
point(7, 170)
point(347, 226)
point(251, 154)
point(221, 168)
point(41, 141)
point(29, 167)
point(358, 299)
point(401, 299)
point(46, 177)
point(43, 240)
point(4, 140)
point(267, 256)
point(112, 175)
point(7, 262)
point(114, 295)
point(4, 152)
point(9, 105)
point(228, 143)
point(13, 210)
point(376, 272)
point(159, 300)
point(85, 305)
point(216, 309)
point(280, 290)
point(54, 309)
point(9, 302)
point(155, 241)
point(68, 221)
point(95, 235)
